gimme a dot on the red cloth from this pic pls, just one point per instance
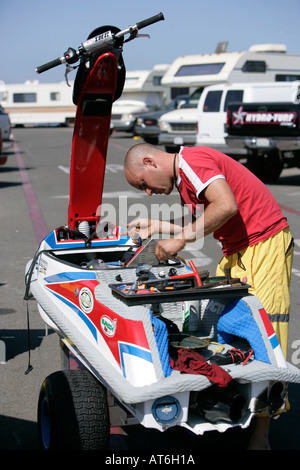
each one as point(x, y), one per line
point(191, 362)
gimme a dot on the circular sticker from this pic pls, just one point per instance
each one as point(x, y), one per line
point(86, 300)
point(108, 326)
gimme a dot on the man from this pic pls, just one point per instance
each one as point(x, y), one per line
point(241, 213)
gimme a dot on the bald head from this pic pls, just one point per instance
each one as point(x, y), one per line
point(149, 168)
point(135, 156)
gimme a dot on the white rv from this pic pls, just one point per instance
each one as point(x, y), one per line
point(33, 103)
point(261, 63)
point(142, 92)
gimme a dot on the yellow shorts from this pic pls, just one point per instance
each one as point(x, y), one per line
point(267, 268)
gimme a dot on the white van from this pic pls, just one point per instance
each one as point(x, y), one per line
point(212, 108)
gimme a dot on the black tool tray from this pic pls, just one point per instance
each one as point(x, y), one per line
point(177, 289)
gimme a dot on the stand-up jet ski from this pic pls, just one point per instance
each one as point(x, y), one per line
point(159, 344)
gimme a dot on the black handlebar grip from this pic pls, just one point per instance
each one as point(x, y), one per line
point(49, 65)
point(153, 19)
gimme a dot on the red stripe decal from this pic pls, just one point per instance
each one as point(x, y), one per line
point(268, 325)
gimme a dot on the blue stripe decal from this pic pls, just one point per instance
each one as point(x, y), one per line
point(70, 276)
point(51, 240)
point(132, 350)
point(53, 243)
point(83, 317)
point(274, 341)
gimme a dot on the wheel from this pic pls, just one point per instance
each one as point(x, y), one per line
point(172, 148)
point(267, 166)
point(73, 412)
point(151, 140)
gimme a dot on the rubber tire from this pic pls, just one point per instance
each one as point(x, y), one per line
point(151, 140)
point(267, 166)
point(172, 148)
point(73, 412)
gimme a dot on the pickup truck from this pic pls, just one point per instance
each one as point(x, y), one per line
point(270, 132)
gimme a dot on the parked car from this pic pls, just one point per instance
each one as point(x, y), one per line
point(3, 156)
point(179, 127)
point(5, 134)
point(5, 124)
point(147, 123)
point(124, 114)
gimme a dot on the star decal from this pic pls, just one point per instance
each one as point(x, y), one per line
point(238, 116)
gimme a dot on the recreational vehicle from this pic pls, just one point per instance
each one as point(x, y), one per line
point(261, 63)
point(142, 92)
point(33, 103)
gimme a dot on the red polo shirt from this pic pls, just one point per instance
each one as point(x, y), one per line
point(259, 216)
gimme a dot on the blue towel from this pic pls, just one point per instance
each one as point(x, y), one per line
point(237, 320)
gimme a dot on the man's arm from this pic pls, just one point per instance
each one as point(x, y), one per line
point(146, 228)
point(221, 207)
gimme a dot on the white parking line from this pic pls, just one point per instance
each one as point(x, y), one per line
point(64, 169)
point(296, 272)
point(114, 167)
point(109, 194)
point(199, 258)
point(110, 167)
point(297, 244)
point(129, 194)
point(199, 261)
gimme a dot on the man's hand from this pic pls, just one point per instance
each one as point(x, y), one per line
point(168, 249)
point(143, 228)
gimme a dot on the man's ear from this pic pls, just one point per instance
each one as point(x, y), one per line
point(149, 161)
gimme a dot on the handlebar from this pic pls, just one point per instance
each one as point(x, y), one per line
point(142, 24)
point(50, 65)
point(147, 22)
point(97, 43)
